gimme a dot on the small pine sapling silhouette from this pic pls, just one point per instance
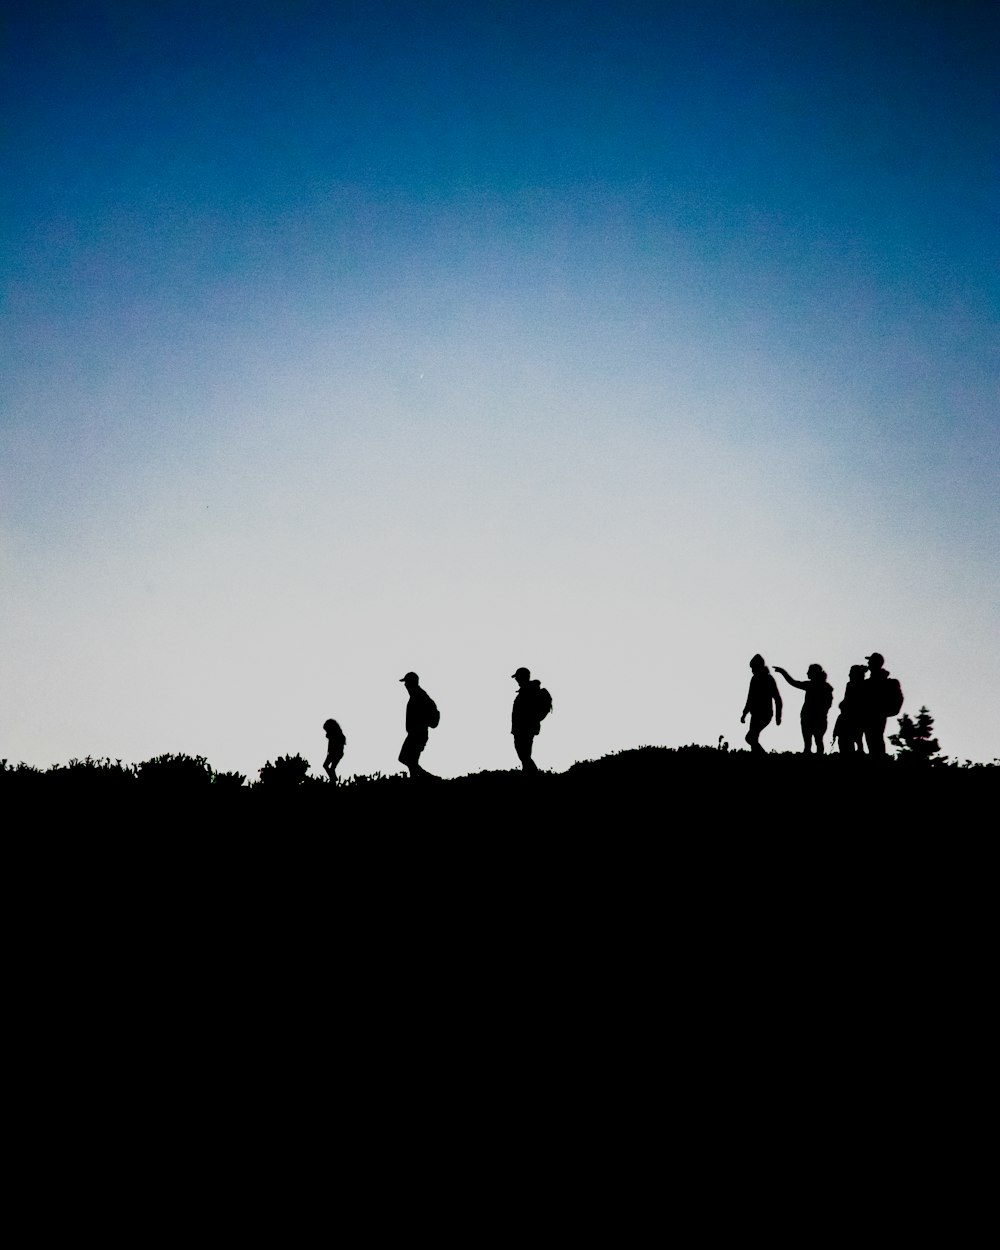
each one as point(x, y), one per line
point(915, 740)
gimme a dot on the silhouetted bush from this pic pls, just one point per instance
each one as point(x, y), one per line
point(175, 772)
point(286, 773)
point(914, 741)
point(228, 781)
point(89, 775)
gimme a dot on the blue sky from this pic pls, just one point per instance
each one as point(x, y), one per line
point(621, 341)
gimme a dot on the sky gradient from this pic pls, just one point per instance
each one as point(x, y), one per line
point(618, 341)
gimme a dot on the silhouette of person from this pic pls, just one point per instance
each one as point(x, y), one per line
point(531, 705)
point(815, 706)
point(877, 697)
point(421, 717)
point(335, 744)
point(761, 697)
point(849, 730)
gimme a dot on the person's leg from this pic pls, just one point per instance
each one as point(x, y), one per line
point(757, 723)
point(806, 735)
point(820, 731)
point(409, 755)
point(875, 737)
point(523, 744)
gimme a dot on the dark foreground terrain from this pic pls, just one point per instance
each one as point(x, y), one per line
point(673, 961)
point(685, 793)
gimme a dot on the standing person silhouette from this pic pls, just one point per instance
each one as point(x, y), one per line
point(883, 698)
point(421, 717)
point(849, 729)
point(815, 706)
point(335, 744)
point(762, 695)
point(531, 705)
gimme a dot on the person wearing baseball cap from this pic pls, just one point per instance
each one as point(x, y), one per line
point(883, 698)
point(531, 705)
point(422, 716)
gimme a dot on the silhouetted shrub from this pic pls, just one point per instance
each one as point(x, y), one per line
point(287, 772)
point(228, 781)
point(915, 742)
point(91, 774)
point(175, 772)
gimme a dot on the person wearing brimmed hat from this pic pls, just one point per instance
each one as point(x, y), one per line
point(531, 705)
point(761, 697)
point(815, 706)
point(421, 717)
point(849, 729)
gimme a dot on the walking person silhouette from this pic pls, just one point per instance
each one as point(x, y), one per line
point(335, 744)
point(532, 704)
point(421, 717)
point(761, 697)
point(815, 706)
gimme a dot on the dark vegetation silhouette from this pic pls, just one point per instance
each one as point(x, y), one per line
point(682, 792)
point(915, 741)
point(286, 773)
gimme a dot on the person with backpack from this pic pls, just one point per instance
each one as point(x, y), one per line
point(762, 695)
point(422, 716)
point(883, 698)
point(335, 744)
point(815, 706)
point(532, 704)
point(849, 729)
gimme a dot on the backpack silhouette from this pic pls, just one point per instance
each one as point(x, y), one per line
point(543, 701)
point(433, 715)
point(892, 697)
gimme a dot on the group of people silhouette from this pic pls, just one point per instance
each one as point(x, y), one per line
point(532, 704)
point(871, 696)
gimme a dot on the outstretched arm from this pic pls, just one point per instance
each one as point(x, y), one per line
point(800, 685)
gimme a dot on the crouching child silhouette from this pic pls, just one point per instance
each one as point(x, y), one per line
point(761, 698)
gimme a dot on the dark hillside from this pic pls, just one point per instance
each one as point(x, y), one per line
point(681, 793)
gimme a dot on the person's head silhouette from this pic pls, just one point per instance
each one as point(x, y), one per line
point(521, 675)
point(875, 661)
point(757, 664)
point(410, 681)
